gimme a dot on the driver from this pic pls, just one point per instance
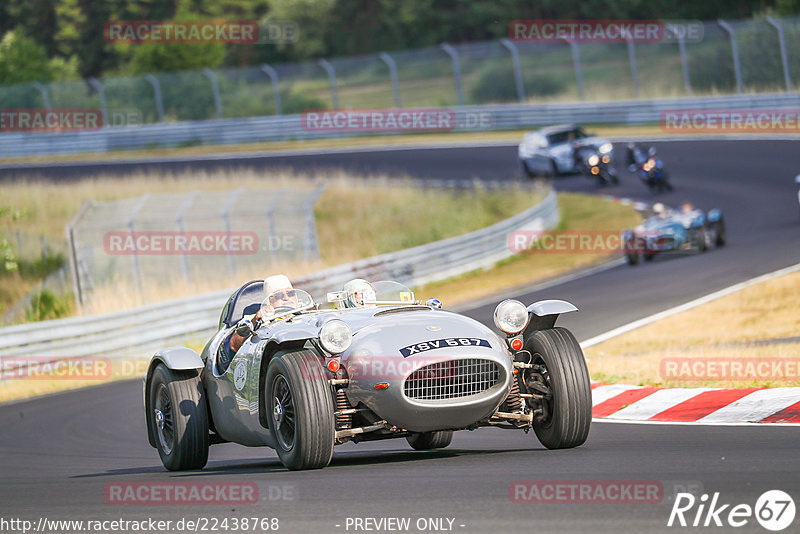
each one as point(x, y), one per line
point(659, 210)
point(686, 207)
point(278, 293)
point(359, 293)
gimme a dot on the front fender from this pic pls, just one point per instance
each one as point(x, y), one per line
point(176, 358)
point(543, 314)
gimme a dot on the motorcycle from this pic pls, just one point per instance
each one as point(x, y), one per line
point(595, 164)
point(652, 173)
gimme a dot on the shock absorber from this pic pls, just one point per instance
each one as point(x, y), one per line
point(514, 401)
point(344, 413)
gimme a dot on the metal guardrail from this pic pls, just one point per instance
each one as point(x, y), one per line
point(290, 127)
point(140, 331)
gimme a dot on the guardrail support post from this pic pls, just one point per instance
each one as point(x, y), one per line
point(576, 62)
point(784, 58)
point(450, 51)
point(157, 95)
point(687, 83)
point(512, 48)
point(389, 60)
point(97, 86)
point(311, 247)
point(737, 67)
point(137, 275)
point(45, 94)
point(327, 67)
point(273, 76)
point(634, 69)
point(215, 88)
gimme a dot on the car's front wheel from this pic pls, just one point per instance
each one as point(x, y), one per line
point(430, 440)
point(300, 410)
point(178, 418)
point(560, 370)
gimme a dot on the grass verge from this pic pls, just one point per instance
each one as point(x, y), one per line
point(758, 324)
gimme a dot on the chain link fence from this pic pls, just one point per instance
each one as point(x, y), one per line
point(160, 239)
point(731, 57)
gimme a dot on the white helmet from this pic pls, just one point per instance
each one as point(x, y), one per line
point(276, 283)
point(359, 293)
point(659, 208)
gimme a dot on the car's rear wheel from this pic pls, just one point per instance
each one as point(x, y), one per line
point(722, 235)
point(632, 258)
point(300, 410)
point(561, 368)
point(179, 419)
point(430, 440)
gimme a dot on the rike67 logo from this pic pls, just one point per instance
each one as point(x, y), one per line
point(774, 510)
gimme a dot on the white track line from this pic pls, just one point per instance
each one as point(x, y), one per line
point(603, 393)
point(686, 306)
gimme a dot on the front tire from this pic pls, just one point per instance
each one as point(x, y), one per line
point(722, 236)
point(565, 374)
point(179, 418)
point(430, 440)
point(300, 410)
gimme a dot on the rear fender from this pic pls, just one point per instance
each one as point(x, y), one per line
point(175, 358)
point(714, 216)
point(543, 314)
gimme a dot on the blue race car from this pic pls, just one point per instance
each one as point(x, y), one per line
point(667, 230)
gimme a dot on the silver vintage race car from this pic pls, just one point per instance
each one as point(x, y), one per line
point(551, 151)
point(308, 378)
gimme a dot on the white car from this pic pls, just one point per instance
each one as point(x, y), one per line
point(549, 151)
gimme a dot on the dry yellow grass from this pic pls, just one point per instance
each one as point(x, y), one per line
point(724, 328)
point(355, 219)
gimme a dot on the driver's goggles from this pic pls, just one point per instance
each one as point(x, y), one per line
point(283, 295)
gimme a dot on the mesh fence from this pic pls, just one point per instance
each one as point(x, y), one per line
point(155, 240)
point(426, 77)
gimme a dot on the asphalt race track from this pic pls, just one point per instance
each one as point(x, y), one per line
point(57, 454)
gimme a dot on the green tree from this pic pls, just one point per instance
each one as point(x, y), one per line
point(22, 60)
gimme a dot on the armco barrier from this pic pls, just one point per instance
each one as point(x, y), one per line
point(290, 127)
point(141, 331)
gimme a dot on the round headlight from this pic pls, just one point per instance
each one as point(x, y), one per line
point(593, 159)
point(511, 316)
point(335, 336)
point(605, 148)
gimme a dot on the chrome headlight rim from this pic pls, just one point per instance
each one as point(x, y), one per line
point(511, 325)
point(335, 336)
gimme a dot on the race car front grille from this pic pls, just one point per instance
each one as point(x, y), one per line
point(451, 379)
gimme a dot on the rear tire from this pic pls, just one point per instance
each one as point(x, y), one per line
point(632, 257)
point(722, 236)
point(179, 418)
point(300, 410)
point(570, 409)
point(425, 441)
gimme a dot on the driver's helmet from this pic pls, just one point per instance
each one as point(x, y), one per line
point(651, 151)
point(631, 147)
point(279, 293)
point(359, 293)
point(659, 209)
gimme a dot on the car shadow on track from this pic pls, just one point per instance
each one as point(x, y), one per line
point(348, 459)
